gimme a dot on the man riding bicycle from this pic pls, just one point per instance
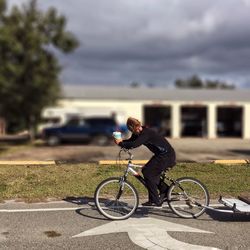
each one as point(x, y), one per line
point(163, 158)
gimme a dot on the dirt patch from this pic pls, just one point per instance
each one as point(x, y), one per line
point(72, 153)
point(52, 234)
point(188, 149)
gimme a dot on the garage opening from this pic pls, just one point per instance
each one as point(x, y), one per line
point(158, 118)
point(229, 121)
point(193, 121)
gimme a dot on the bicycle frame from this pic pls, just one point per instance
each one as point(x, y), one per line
point(173, 193)
point(130, 169)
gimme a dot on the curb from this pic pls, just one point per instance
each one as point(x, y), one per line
point(142, 162)
point(231, 161)
point(112, 162)
point(29, 163)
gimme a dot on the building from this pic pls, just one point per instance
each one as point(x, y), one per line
point(2, 126)
point(174, 112)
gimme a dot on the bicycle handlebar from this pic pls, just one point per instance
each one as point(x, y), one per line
point(126, 151)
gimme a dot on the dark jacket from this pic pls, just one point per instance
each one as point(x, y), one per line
point(149, 138)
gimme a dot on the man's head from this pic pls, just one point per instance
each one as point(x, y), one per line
point(134, 125)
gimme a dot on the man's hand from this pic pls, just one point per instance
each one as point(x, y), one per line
point(117, 141)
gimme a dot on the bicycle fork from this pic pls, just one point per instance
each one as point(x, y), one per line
point(121, 188)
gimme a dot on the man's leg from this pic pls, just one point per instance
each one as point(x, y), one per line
point(151, 172)
point(168, 162)
point(162, 187)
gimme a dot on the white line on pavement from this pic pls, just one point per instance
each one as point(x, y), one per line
point(63, 209)
point(41, 209)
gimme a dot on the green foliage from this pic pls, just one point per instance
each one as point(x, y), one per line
point(2, 8)
point(134, 84)
point(29, 68)
point(195, 82)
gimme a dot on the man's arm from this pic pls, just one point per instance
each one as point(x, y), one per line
point(138, 141)
point(132, 138)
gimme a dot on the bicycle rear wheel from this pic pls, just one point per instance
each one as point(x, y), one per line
point(187, 197)
point(116, 199)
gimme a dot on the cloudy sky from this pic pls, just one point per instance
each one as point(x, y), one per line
point(155, 41)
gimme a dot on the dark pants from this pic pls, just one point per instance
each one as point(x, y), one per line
point(152, 171)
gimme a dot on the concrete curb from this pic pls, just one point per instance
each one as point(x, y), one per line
point(232, 161)
point(142, 162)
point(28, 162)
point(111, 162)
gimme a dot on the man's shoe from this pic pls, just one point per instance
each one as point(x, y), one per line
point(152, 204)
point(163, 197)
point(148, 203)
point(158, 204)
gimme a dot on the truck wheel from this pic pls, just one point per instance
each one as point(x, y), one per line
point(53, 140)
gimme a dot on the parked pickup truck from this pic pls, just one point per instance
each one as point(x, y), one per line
point(96, 130)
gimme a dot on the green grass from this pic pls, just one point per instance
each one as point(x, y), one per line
point(37, 183)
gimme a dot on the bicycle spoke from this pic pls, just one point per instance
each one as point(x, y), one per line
point(106, 198)
point(188, 197)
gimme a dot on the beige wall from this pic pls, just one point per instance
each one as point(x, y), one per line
point(246, 122)
point(2, 126)
point(211, 119)
point(129, 108)
point(135, 109)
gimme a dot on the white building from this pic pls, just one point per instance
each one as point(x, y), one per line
point(175, 112)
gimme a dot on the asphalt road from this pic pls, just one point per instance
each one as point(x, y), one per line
point(53, 225)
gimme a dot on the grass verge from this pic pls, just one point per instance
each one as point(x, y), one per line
point(38, 183)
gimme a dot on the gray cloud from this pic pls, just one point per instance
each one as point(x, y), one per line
point(156, 41)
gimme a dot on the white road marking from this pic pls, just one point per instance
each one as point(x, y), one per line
point(149, 233)
point(41, 209)
point(69, 209)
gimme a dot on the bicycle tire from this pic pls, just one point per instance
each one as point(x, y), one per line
point(107, 203)
point(187, 197)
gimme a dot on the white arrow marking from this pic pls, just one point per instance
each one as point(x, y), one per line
point(149, 233)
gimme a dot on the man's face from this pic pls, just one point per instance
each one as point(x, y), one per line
point(137, 130)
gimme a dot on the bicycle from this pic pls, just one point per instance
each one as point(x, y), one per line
point(117, 199)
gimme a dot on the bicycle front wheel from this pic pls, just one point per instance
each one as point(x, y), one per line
point(187, 197)
point(116, 199)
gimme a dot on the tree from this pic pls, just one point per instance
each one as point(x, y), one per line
point(2, 8)
point(192, 82)
point(195, 82)
point(134, 84)
point(209, 84)
point(29, 69)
